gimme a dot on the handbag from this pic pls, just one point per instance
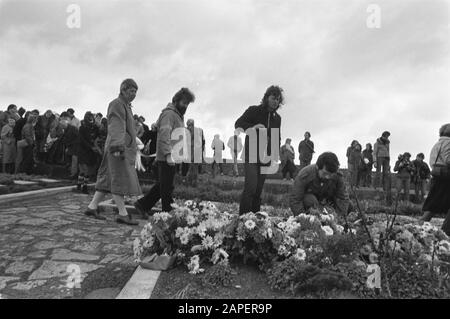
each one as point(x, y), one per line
point(441, 171)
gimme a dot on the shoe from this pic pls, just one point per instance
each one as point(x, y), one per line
point(141, 210)
point(94, 213)
point(126, 220)
point(84, 189)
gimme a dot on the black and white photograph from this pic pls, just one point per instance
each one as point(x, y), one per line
point(224, 156)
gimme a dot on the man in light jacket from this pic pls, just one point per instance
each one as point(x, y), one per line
point(381, 159)
point(171, 119)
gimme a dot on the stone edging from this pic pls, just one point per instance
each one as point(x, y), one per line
point(11, 198)
point(140, 285)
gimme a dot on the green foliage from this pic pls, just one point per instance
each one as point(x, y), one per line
point(219, 275)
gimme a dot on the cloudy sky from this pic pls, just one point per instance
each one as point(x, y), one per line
point(342, 79)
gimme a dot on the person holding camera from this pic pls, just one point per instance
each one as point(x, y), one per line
point(421, 176)
point(404, 169)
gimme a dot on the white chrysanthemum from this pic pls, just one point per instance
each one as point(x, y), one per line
point(290, 241)
point(148, 243)
point(281, 225)
point(178, 232)
point(340, 228)
point(208, 242)
point(194, 265)
point(283, 251)
point(250, 224)
point(303, 215)
point(263, 214)
point(184, 239)
point(190, 219)
point(219, 254)
point(201, 230)
point(164, 216)
point(444, 247)
point(300, 254)
point(188, 203)
point(312, 218)
point(328, 230)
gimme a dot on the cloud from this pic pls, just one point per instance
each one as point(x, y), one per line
point(342, 80)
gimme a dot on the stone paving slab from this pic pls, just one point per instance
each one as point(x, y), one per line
point(42, 239)
point(24, 183)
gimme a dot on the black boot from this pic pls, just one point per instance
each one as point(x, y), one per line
point(84, 188)
point(80, 182)
point(141, 210)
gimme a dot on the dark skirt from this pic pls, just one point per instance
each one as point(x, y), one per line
point(438, 200)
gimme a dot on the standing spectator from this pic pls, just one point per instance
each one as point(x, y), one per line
point(235, 145)
point(19, 125)
point(421, 176)
point(21, 142)
point(11, 112)
point(305, 151)
point(150, 149)
point(438, 199)
point(139, 127)
point(287, 156)
point(146, 136)
point(9, 146)
point(98, 119)
point(194, 146)
point(71, 141)
point(73, 120)
point(44, 125)
point(218, 146)
point(354, 159)
point(88, 151)
point(381, 159)
point(21, 113)
point(27, 144)
point(170, 119)
point(262, 117)
point(365, 173)
point(405, 170)
point(117, 174)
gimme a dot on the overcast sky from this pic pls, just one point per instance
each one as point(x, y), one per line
point(342, 79)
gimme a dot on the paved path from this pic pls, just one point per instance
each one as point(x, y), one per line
point(43, 240)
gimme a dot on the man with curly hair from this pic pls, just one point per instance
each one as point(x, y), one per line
point(259, 122)
point(170, 119)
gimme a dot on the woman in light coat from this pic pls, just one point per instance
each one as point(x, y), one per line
point(9, 146)
point(117, 173)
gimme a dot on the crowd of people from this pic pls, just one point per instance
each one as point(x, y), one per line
point(361, 162)
point(105, 149)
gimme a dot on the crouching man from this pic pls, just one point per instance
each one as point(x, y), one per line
point(319, 183)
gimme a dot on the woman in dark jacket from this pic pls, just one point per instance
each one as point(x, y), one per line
point(87, 151)
point(260, 121)
point(44, 125)
point(27, 144)
point(354, 159)
point(365, 172)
